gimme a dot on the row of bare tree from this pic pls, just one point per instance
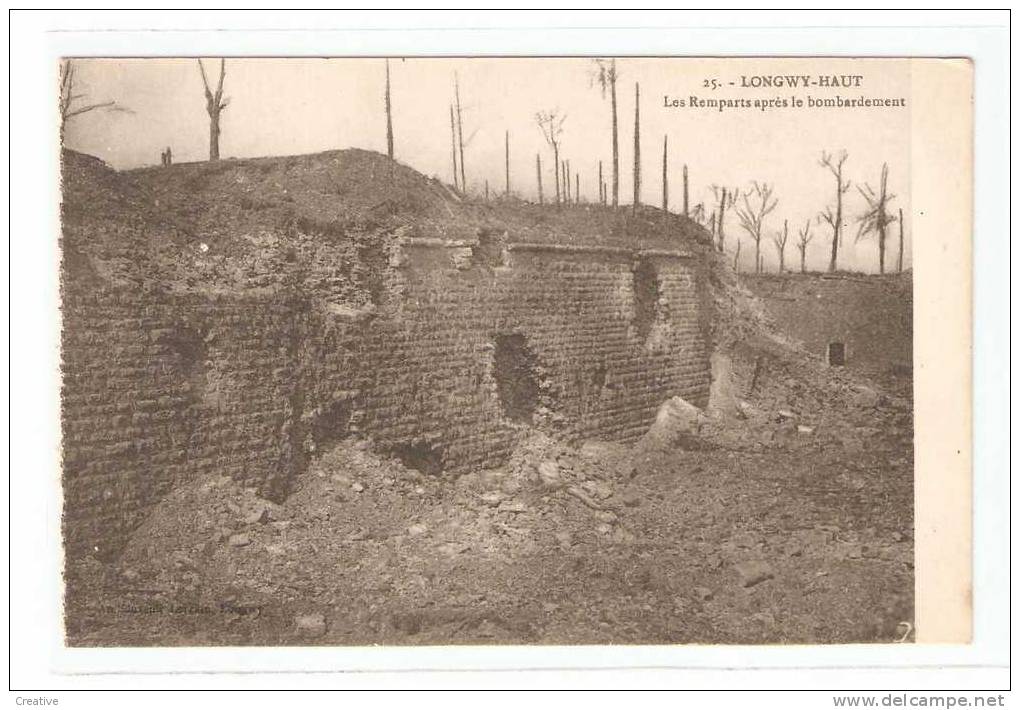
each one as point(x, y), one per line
point(752, 206)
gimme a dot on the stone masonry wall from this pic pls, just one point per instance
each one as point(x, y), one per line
point(160, 388)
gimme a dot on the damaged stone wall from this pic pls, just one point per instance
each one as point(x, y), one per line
point(159, 388)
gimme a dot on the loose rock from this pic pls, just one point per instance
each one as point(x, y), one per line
point(753, 572)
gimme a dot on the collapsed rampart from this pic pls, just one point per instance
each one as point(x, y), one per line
point(448, 347)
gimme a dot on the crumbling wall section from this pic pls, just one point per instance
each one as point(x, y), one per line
point(159, 388)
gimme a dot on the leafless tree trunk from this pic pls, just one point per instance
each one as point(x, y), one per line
point(538, 173)
point(453, 148)
point(214, 105)
point(637, 146)
point(551, 125)
point(665, 178)
point(780, 239)
point(577, 188)
point(389, 115)
point(835, 219)
point(736, 258)
point(804, 238)
point(686, 214)
point(899, 261)
point(606, 77)
point(616, 144)
point(556, 160)
point(460, 131)
point(602, 196)
point(69, 98)
point(722, 215)
point(726, 198)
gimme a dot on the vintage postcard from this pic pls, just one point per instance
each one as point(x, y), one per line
point(515, 351)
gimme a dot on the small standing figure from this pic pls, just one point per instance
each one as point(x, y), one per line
point(169, 156)
point(162, 158)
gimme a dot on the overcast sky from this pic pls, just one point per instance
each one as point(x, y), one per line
point(291, 106)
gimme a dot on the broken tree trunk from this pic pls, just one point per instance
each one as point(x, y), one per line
point(665, 178)
point(686, 213)
point(538, 173)
point(453, 147)
point(899, 263)
point(637, 146)
point(389, 115)
point(460, 132)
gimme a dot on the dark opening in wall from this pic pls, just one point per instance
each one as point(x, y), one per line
point(421, 457)
point(188, 357)
point(373, 262)
point(646, 297)
point(836, 354)
point(515, 369)
point(332, 424)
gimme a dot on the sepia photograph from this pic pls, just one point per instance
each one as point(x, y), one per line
point(491, 351)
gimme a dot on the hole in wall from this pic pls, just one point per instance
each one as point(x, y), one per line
point(421, 457)
point(332, 424)
point(836, 354)
point(515, 369)
point(646, 297)
point(189, 353)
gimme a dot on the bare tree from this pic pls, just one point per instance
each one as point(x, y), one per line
point(834, 217)
point(70, 99)
point(605, 76)
point(899, 262)
point(736, 257)
point(214, 105)
point(453, 147)
point(685, 190)
point(804, 237)
point(876, 218)
point(726, 197)
point(602, 186)
point(665, 179)
point(551, 125)
point(758, 202)
point(780, 239)
point(389, 115)
point(637, 146)
point(538, 173)
point(460, 130)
